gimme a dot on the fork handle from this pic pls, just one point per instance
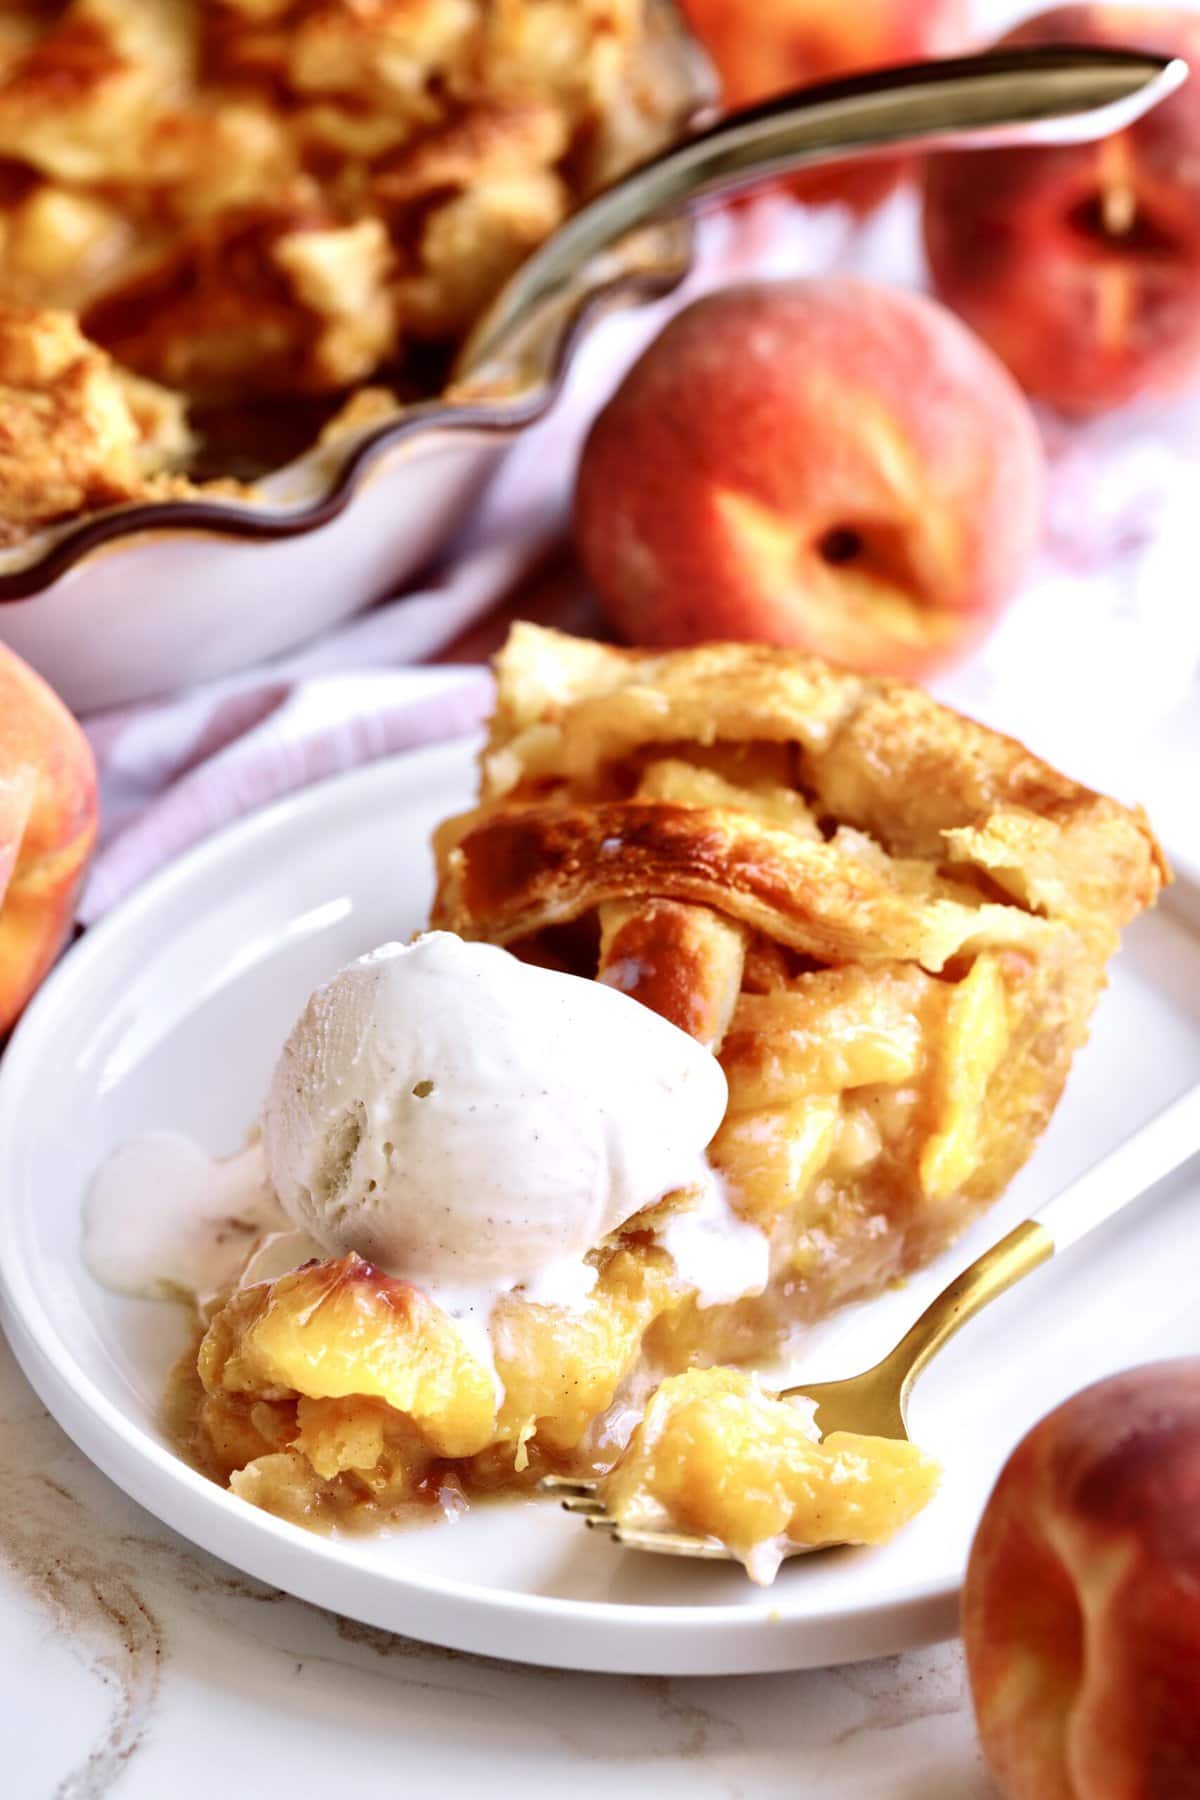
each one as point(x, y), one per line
point(1125, 1174)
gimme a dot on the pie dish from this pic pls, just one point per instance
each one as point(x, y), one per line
point(228, 227)
point(290, 281)
point(209, 451)
point(891, 926)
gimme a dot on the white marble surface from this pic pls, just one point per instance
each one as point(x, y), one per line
point(133, 1665)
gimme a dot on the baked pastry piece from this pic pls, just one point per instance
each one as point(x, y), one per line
point(76, 430)
point(889, 923)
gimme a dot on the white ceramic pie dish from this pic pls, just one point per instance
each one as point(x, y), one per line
point(123, 604)
point(170, 1013)
point(173, 601)
point(146, 598)
point(135, 600)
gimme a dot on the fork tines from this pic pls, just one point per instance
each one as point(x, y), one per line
point(575, 1486)
point(581, 1496)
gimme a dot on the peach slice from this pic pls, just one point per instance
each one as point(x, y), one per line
point(339, 1328)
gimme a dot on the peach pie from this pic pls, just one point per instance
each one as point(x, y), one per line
point(887, 924)
point(237, 212)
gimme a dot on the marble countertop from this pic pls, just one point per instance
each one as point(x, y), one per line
point(134, 1665)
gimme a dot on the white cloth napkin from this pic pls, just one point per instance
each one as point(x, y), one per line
point(1103, 641)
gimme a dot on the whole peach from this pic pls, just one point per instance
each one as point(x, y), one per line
point(48, 815)
point(1080, 264)
point(1081, 1611)
point(824, 463)
point(759, 50)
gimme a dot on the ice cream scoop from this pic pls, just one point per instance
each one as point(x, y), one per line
point(462, 1118)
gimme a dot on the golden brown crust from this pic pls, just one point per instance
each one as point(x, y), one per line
point(525, 867)
point(685, 963)
point(75, 431)
point(309, 307)
point(874, 753)
point(929, 910)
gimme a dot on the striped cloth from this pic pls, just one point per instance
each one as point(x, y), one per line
point(1104, 640)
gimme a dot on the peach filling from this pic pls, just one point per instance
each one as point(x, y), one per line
point(718, 1456)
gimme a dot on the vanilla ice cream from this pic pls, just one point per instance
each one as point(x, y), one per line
point(461, 1118)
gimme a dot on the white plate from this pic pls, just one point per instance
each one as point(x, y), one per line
point(170, 1014)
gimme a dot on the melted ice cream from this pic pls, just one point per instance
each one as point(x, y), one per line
point(166, 1220)
point(458, 1118)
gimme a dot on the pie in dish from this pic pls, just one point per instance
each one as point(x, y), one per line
point(889, 924)
point(239, 200)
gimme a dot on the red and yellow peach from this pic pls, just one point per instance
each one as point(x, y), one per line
point(48, 814)
point(821, 463)
point(1080, 264)
point(1081, 1610)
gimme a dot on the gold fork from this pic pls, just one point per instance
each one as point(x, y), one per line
point(875, 1402)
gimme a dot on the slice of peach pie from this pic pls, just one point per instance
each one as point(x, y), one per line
point(888, 924)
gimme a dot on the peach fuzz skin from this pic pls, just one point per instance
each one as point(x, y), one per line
point(48, 816)
point(1080, 265)
point(1081, 1610)
point(762, 49)
point(825, 464)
